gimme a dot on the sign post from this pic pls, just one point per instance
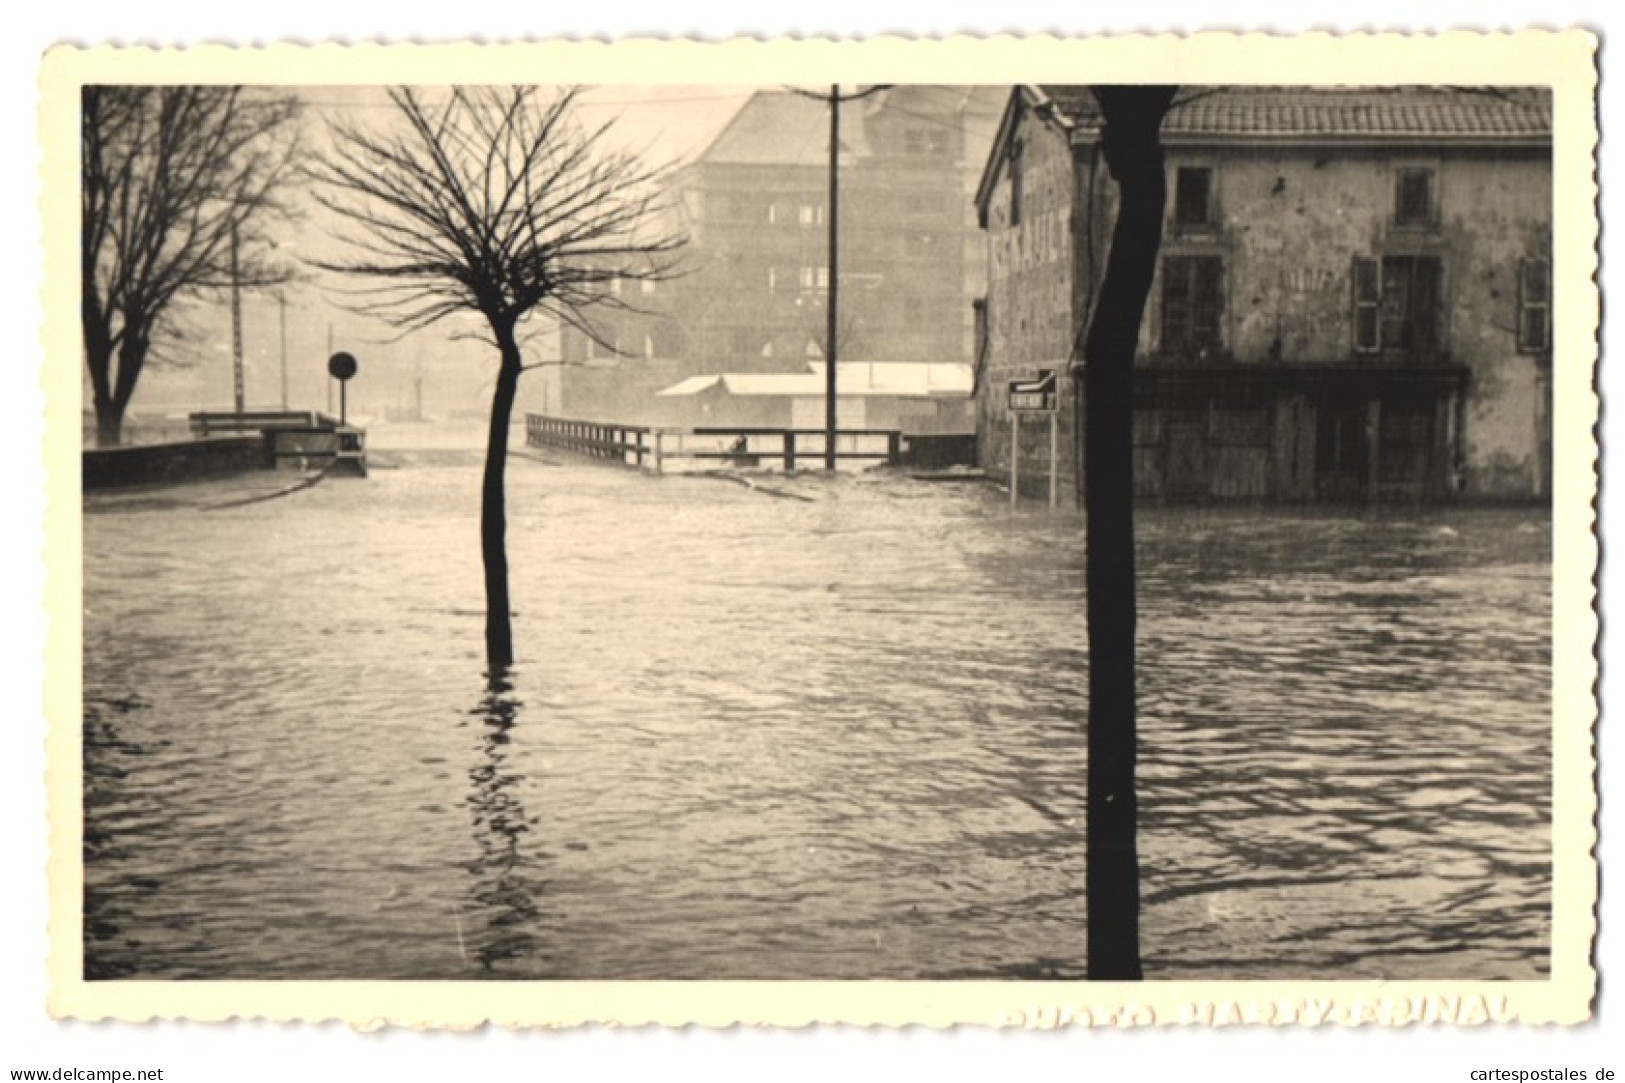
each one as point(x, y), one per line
point(1054, 458)
point(1035, 396)
point(236, 328)
point(1015, 456)
point(342, 366)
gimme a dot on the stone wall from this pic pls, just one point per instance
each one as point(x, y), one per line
point(1030, 316)
point(173, 463)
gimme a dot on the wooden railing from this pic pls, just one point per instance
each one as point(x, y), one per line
point(665, 450)
point(631, 444)
point(215, 423)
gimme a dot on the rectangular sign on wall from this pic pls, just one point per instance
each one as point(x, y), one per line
point(1036, 396)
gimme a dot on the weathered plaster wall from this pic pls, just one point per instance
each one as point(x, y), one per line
point(1292, 222)
point(1289, 222)
point(1501, 212)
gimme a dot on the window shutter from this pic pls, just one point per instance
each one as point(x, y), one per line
point(1367, 302)
point(1534, 305)
point(1441, 310)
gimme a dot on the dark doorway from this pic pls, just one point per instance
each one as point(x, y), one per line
point(1187, 456)
point(1341, 451)
point(1406, 459)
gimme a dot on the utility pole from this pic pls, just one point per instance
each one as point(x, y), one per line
point(834, 98)
point(282, 327)
point(236, 327)
point(830, 420)
point(330, 378)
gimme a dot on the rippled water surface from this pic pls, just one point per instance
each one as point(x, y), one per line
point(768, 738)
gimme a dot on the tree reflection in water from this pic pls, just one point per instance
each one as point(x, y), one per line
point(111, 948)
point(505, 915)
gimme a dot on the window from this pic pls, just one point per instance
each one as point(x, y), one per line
point(815, 278)
point(772, 279)
point(647, 285)
point(1396, 304)
point(1367, 299)
point(1534, 305)
point(1413, 198)
point(812, 214)
point(615, 285)
point(1410, 303)
point(1193, 196)
point(772, 212)
point(1192, 304)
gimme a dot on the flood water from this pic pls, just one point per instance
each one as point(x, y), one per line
point(839, 737)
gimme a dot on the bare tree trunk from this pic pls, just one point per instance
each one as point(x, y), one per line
point(1132, 146)
point(494, 507)
point(109, 425)
point(99, 363)
point(112, 389)
point(109, 418)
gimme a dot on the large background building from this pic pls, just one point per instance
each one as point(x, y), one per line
point(755, 274)
point(1352, 302)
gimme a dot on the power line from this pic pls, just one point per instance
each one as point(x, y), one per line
point(588, 103)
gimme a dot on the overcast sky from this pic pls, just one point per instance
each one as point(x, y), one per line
point(664, 124)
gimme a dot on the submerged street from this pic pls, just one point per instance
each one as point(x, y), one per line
point(833, 737)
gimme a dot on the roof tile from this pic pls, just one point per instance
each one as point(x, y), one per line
point(1336, 112)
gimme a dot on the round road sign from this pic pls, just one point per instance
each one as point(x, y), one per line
point(341, 366)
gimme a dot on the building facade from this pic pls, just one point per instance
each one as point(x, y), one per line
point(1352, 301)
point(755, 275)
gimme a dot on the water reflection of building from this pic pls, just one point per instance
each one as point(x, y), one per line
point(751, 298)
point(1353, 299)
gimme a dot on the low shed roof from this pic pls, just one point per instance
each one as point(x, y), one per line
point(857, 380)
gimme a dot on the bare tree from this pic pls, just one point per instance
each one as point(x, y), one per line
point(850, 330)
point(1131, 142)
point(171, 179)
point(495, 201)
